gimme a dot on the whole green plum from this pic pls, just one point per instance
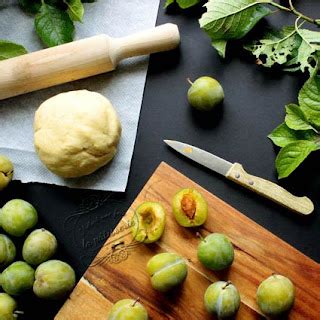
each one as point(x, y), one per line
point(39, 246)
point(216, 251)
point(190, 208)
point(167, 270)
point(275, 295)
point(128, 309)
point(6, 171)
point(7, 251)
point(205, 94)
point(7, 307)
point(54, 279)
point(17, 216)
point(222, 299)
point(17, 278)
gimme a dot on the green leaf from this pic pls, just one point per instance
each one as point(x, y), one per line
point(292, 155)
point(305, 55)
point(183, 4)
point(295, 118)
point(283, 135)
point(9, 49)
point(276, 47)
point(309, 100)
point(168, 3)
point(292, 47)
point(75, 9)
point(232, 19)
point(53, 26)
point(220, 46)
point(30, 6)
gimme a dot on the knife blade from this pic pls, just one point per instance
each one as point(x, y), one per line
point(235, 172)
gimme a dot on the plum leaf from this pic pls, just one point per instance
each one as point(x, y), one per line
point(292, 155)
point(233, 19)
point(10, 49)
point(309, 100)
point(283, 135)
point(295, 118)
point(53, 26)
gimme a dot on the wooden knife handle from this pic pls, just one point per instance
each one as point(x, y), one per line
point(270, 190)
point(80, 59)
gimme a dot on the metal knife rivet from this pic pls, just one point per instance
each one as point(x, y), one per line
point(251, 183)
point(237, 175)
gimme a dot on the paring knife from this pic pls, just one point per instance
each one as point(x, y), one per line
point(236, 173)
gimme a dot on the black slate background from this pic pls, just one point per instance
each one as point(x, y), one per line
point(254, 106)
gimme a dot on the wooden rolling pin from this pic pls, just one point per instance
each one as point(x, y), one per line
point(80, 59)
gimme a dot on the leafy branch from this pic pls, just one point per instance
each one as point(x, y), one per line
point(294, 48)
point(293, 10)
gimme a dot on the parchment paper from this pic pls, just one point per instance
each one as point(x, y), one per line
point(124, 87)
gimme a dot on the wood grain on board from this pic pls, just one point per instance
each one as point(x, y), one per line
point(119, 270)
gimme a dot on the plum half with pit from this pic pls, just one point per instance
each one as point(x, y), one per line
point(128, 309)
point(39, 246)
point(216, 252)
point(148, 222)
point(222, 299)
point(17, 278)
point(6, 171)
point(190, 208)
point(17, 216)
point(7, 307)
point(7, 251)
point(53, 279)
point(275, 295)
point(167, 271)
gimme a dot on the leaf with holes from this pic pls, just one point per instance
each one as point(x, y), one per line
point(233, 19)
point(305, 59)
point(292, 155)
point(283, 135)
point(292, 47)
point(53, 26)
point(309, 100)
point(276, 47)
point(295, 118)
point(10, 49)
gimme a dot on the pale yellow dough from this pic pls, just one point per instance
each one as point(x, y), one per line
point(76, 133)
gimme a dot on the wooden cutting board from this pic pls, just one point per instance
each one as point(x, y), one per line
point(119, 270)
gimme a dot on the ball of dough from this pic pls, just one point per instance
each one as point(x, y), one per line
point(76, 133)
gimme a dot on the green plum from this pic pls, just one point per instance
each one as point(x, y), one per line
point(7, 251)
point(167, 270)
point(275, 295)
point(7, 307)
point(190, 208)
point(6, 171)
point(39, 246)
point(17, 216)
point(222, 299)
point(205, 94)
point(216, 252)
point(148, 222)
point(128, 309)
point(54, 279)
point(17, 278)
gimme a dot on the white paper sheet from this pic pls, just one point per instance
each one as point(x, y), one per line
point(124, 87)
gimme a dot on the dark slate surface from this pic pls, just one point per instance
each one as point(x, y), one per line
point(254, 105)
